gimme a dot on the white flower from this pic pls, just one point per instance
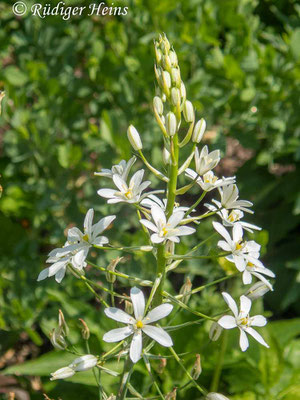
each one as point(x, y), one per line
point(229, 199)
point(256, 270)
point(127, 193)
point(138, 324)
point(206, 161)
point(153, 200)
point(229, 218)
point(83, 363)
point(121, 169)
point(215, 396)
point(164, 229)
point(76, 248)
point(59, 258)
point(209, 181)
point(258, 290)
point(62, 373)
point(89, 237)
point(242, 320)
point(242, 252)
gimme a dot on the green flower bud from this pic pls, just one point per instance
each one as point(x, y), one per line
point(173, 58)
point(166, 156)
point(175, 75)
point(188, 111)
point(158, 105)
point(166, 79)
point(175, 96)
point(134, 138)
point(171, 124)
point(199, 131)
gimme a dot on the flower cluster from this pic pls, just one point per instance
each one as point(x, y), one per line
point(164, 221)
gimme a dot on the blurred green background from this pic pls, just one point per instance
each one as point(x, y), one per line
point(72, 88)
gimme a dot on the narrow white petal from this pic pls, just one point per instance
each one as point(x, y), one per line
point(107, 193)
point(120, 183)
point(118, 315)
point(136, 179)
point(159, 335)
point(256, 336)
point(101, 225)
point(237, 232)
point(138, 302)
point(157, 313)
point(43, 274)
point(185, 230)
point(175, 218)
point(222, 231)
point(88, 221)
point(245, 305)
point(240, 262)
point(231, 303)
point(136, 347)
point(149, 225)
point(258, 320)
point(224, 245)
point(244, 343)
point(74, 234)
point(247, 277)
point(227, 322)
point(116, 335)
point(59, 276)
point(156, 239)
point(100, 241)
point(174, 239)
point(158, 215)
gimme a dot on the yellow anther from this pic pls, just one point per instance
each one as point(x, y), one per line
point(244, 321)
point(250, 265)
point(139, 325)
point(128, 194)
point(239, 245)
point(85, 237)
point(164, 231)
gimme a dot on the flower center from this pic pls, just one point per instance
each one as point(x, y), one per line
point(139, 324)
point(85, 237)
point(233, 217)
point(249, 264)
point(164, 231)
point(239, 245)
point(128, 194)
point(244, 321)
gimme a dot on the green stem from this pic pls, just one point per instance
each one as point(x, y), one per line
point(127, 370)
point(195, 204)
point(160, 271)
point(172, 184)
point(218, 369)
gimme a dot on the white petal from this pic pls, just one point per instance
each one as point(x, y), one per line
point(74, 234)
point(244, 343)
point(136, 179)
point(80, 257)
point(157, 313)
point(237, 232)
point(227, 322)
point(116, 335)
point(59, 276)
point(256, 336)
point(185, 230)
point(174, 239)
point(224, 245)
point(158, 215)
point(240, 262)
point(100, 241)
point(222, 231)
point(56, 267)
point(156, 239)
point(245, 305)
point(258, 320)
point(136, 347)
point(120, 183)
point(118, 315)
point(88, 221)
point(247, 277)
point(159, 335)
point(107, 193)
point(231, 303)
point(149, 225)
point(101, 225)
point(175, 218)
point(138, 302)
point(43, 274)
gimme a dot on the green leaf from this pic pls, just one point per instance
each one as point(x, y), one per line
point(15, 76)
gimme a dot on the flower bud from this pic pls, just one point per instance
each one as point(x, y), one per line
point(158, 105)
point(84, 363)
point(188, 111)
point(146, 248)
point(197, 369)
point(162, 365)
point(258, 290)
point(182, 91)
point(62, 323)
point(62, 373)
point(215, 331)
point(215, 396)
point(172, 395)
point(166, 62)
point(166, 156)
point(134, 138)
point(199, 131)
point(128, 307)
point(175, 75)
point(166, 79)
point(173, 58)
point(158, 75)
point(175, 96)
point(111, 397)
point(171, 124)
point(158, 55)
point(186, 288)
point(85, 332)
point(57, 339)
point(165, 44)
point(111, 267)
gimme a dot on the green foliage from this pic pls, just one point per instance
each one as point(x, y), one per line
point(73, 87)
